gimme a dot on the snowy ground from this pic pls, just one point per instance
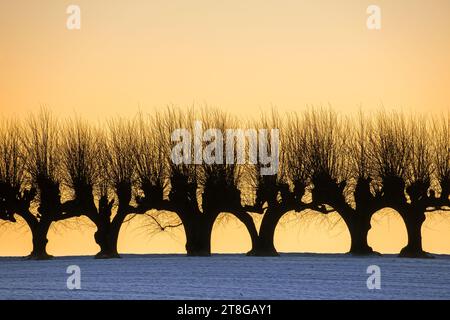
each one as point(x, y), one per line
point(291, 276)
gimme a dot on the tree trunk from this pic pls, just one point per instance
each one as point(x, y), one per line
point(39, 233)
point(414, 220)
point(102, 238)
point(265, 245)
point(198, 231)
point(359, 228)
point(102, 220)
point(107, 236)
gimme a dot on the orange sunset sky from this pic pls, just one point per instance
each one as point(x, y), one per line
point(239, 55)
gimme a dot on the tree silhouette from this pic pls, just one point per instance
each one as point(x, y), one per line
point(52, 170)
point(340, 176)
point(403, 151)
point(283, 192)
point(41, 143)
point(199, 193)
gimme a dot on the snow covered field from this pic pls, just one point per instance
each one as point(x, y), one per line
point(291, 276)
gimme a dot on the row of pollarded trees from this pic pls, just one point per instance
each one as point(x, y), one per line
point(328, 163)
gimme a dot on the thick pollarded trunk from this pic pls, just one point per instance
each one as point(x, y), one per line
point(327, 191)
point(105, 249)
point(265, 245)
point(359, 229)
point(198, 231)
point(39, 232)
point(358, 225)
point(103, 239)
point(414, 220)
point(107, 236)
point(359, 218)
point(102, 219)
point(108, 230)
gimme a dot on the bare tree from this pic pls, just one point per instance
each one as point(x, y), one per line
point(132, 163)
point(340, 167)
point(364, 200)
point(200, 192)
point(41, 143)
point(284, 191)
point(404, 166)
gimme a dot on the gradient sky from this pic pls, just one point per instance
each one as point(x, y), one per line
point(242, 56)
